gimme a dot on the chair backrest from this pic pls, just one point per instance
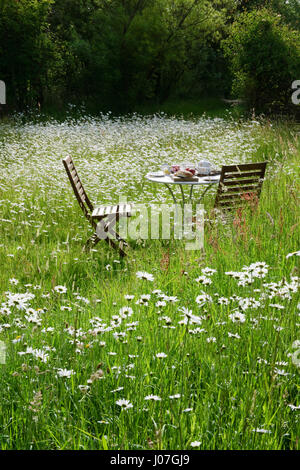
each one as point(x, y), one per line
point(240, 184)
point(81, 196)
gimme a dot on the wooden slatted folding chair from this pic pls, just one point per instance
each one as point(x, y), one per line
point(239, 185)
point(102, 218)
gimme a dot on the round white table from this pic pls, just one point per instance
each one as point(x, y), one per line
point(167, 180)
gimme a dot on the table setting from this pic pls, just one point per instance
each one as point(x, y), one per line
point(183, 174)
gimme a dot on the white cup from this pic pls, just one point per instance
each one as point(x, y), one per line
point(204, 167)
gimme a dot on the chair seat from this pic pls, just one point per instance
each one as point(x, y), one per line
point(103, 211)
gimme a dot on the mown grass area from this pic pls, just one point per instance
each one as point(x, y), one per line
point(202, 354)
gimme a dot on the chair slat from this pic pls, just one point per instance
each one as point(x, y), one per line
point(78, 189)
point(238, 189)
point(245, 167)
point(253, 181)
point(114, 209)
point(240, 176)
point(239, 184)
point(239, 197)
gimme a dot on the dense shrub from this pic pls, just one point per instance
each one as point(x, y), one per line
point(264, 57)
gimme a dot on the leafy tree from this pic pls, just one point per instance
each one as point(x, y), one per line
point(26, 49)
point(264, 56)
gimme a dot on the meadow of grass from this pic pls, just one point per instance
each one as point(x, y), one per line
point(202, 353)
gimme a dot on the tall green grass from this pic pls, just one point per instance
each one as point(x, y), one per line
point(231, 394)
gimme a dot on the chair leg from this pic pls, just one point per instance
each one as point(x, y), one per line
point(103, 229)
point(92, 241)
point(121, 251)
point(117, 236)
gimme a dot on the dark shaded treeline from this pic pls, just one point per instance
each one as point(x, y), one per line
point(115, 54)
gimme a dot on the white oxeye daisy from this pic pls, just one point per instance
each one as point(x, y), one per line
point(195, 444)
point(293, 407)
point(60, 289)
point(208, 271)
point(237, 317)
point(117, 390)
point(261, 431)
point(203, 280)
point(295, 253)
point(161, 355)
point(144, 275)
point(64, 373)
point(64, 307)
point(124, 404)
point(152, 397)
point(125, 312)
point(211, 340)
point(129, 297)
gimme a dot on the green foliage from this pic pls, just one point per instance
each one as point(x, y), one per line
point(114, 53)
point(264, 56)
point(27, 50)
point(122, 54)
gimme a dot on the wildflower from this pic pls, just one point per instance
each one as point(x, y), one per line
point(124, 404)
point(144, 275)
point(261, 431)
point(195, 444)
point(295, 253)
point(64, 307)
point(278, 328)
point(60, 289)
point(237, 317)
point(161, 355)
point(280, 372)
point(161, 303)
point(152, 397)
point(117, 390)
point(223, 301)
point(65, 373)
point(232, 335)
point(203, 280)
point(293, 407)
point(125, 312)
point(5, 311)
point(211, 340)
point(129, 297)
point(203, 299)
point(171, 299)
point(208, 271)
point(278, 306)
